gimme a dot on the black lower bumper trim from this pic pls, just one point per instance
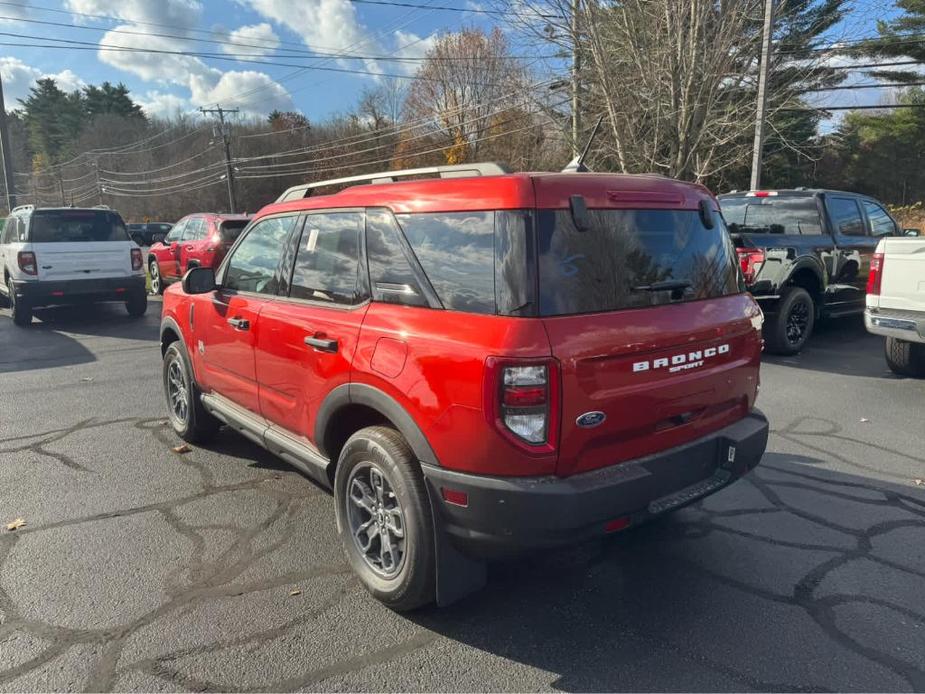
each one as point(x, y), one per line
point(507, 514)
point(46, 293)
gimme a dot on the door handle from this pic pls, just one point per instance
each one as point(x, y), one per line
point(239, 323)
point(321, 344)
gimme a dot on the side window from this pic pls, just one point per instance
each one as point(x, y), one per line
point(846, 217)
point(176, 232)
point(252, 266)
point(881, 224)
point(456, 251)
point(327, 265)
point(392, 278)
point(194, 229)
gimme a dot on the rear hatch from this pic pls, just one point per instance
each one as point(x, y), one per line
point(902, 286)
point(646, 314)
point(80, 244)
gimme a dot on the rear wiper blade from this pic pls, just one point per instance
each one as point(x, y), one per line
point(664, 286)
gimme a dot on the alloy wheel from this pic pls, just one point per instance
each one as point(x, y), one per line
point(155, 277)
point(177, 392)
point(797, 322)
point(376, 519)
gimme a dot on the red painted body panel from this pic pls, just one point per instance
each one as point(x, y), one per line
point(174, 259)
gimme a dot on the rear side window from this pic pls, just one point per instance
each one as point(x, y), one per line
point(456, 251)
point(393, 280)
point(76, 226)
point(327, 266)
point(881, 224)
point(618, 263)
point(846, 216)
point(195, 229)
point(772, 215)
point(231, 229)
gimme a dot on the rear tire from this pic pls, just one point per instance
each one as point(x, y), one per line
point(788, 331)
point(398, 509)
point(137, 304)
point(154, 273)
point(20, 310)
point(905, 358)
point(187, 416)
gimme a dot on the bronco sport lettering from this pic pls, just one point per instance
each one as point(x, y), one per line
point(681, 362)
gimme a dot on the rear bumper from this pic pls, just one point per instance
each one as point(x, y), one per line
point(46, 293)
point(903, 325)
point(507, 514)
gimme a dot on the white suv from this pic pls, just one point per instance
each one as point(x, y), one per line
point(68, 255)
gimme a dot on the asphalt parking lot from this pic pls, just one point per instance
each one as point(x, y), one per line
point(143, 569)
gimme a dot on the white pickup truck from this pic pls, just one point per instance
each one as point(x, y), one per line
point(896, 302)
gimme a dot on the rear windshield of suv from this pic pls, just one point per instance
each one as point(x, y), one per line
point(619, 262)
point(75, 226)
point(772, 215)
point(231, 229)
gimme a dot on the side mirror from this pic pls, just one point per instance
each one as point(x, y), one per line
point(911, 232)
point(199, 280)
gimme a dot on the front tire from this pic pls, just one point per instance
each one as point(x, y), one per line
point(20, 310)
point(384, 518)
point(789, 330)
point(157, 284)
point(188, 417)
point(905, 358)
point(137, 304)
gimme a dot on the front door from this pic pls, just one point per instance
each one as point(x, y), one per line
point(307, 340)
point(226, 322)
point(168, 252)
point(189, 245)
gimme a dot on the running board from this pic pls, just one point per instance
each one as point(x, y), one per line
point(296, 451)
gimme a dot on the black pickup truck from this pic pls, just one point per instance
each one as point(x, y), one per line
point(804, 254)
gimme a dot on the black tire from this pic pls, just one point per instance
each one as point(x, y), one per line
point(137, 304)
point(20, 310)
point(788, 330)
point(157, 282)
point(905, 358)
point(194, 424)
point(413, 582)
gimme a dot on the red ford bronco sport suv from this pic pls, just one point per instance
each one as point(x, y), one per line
point(478, 363)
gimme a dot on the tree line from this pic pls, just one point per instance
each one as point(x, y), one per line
point(674, 82)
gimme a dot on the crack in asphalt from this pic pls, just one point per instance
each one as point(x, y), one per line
point(199, 580)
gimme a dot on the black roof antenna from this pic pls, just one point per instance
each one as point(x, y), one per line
point(577, 164)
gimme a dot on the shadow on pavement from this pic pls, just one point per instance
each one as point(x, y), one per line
point(798, 578)
point(840, 346)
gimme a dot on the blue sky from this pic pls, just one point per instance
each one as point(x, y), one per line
point(168, 84)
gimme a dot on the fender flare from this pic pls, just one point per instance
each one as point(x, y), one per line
point(169, 323)
point(384, 404)
point(812, 264)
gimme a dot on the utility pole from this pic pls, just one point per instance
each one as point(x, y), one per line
point(61, 188)
point(226, 142)
point(764, 69)
point(576, 86)
point(99, 188)
point(7, 154)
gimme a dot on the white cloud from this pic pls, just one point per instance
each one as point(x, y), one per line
point(177, 13)
point(158, 104)
point(250, 36)
point(410, 45)
point(14, 12)
point(19, 77)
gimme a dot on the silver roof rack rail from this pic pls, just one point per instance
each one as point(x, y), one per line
point(452, 171)
point(22, 207)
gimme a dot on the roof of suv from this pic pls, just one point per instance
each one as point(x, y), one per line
point(510, 191)
point(787, 191)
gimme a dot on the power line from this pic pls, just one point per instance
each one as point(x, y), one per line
point(869, 107)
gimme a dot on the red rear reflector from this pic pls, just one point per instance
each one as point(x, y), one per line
point(525, 396)
point(875, 276)
point(454, 496)
point(57, 293)
point(120, 289)
point(617, 524)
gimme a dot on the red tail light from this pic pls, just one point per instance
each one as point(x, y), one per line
point(875, 277)
point(522, 400)
point(136, 259)
point(27, 263)
point(750, 260)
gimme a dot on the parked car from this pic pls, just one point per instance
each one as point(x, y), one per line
point(149, 233)
point(896, 302)
point(477, 364)
point(805, 254)
point(68, 255)
point(197, 240)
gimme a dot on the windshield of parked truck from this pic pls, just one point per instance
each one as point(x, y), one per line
point(772, 215)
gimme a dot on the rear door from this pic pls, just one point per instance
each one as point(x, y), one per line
point(855, 249)
point(652, 330)
point(307, 340)
point(226, 321)
point(79, 244)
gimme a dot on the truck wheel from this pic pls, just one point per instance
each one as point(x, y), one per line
point(157, 284)
point(384, 518)
point(137, 304)
point(905, 358)
point(788, 331)
point(188, 417)
point(20, 310)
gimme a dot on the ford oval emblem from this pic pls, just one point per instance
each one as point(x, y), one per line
point(589, 420)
